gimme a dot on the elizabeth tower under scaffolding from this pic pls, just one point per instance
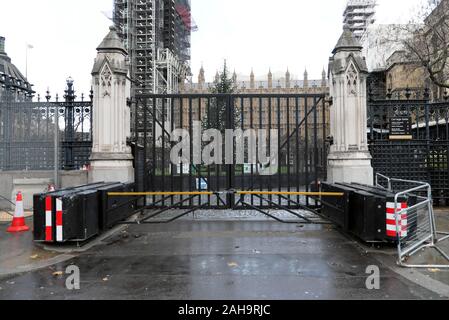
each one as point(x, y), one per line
point(359, 15)
point(156, 34)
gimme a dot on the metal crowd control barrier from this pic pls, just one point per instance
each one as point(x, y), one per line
point(378, 184)
point(149, 219)
point(419, 215)
point(445, 235)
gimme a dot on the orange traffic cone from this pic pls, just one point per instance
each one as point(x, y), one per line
point(18, 222)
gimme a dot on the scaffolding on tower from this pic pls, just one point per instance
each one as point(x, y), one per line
point(157, 35)
point(359, 15)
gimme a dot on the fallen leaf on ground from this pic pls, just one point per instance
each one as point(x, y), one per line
point(34, 256)
point(232, 264)
point(434, 270)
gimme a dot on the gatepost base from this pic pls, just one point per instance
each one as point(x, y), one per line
point(349, 167)
point(111, 168)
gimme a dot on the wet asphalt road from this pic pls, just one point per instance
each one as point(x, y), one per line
point(218, 260)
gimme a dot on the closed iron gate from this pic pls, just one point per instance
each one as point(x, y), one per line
point(290, 130)
point(424, 154)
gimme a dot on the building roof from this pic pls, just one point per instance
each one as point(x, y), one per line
point(9, 72)
point(263, 84)
point(347, 41)
point(112, 41)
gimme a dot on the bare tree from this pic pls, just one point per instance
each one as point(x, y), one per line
point(426, 40)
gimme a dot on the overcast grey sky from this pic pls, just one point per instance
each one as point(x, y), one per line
point(255, 34)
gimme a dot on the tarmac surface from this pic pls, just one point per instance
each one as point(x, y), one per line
point(236, 260)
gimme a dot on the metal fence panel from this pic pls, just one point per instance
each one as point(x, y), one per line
point(28, 131)
point(424, 156)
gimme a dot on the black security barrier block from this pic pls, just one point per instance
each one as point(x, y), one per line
point(39, 216)
point(115, 209)
point(368, 213)
point(367, 217)
point(80, 214)
point(336, 209)
point(410, 199)
point(362, 212)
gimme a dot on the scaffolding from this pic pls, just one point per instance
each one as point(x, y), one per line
point(156, 34)
point(169, 72)
point(359, 15)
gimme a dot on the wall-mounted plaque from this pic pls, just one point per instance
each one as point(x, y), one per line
point(401, 128)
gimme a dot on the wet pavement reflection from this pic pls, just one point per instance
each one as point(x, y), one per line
point(218, 260)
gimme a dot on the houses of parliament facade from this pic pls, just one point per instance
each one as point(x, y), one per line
point(262, 104)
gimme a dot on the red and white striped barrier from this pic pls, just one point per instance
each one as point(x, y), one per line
point(391, 219)
point(59, 228)
point(48, 220)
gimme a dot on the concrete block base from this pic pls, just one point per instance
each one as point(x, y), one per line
point(32, 182)
point(348, 167)
point(111, 168)
point(29, 187)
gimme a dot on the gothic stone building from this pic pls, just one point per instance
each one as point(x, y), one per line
point(402, 75)
point(274, 113)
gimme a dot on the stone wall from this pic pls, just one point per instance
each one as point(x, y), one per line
point(31, 182)
point(401, 76)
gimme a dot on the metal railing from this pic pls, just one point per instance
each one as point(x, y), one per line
point(415, 221)
point(45, 135)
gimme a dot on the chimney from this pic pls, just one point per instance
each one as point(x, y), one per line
point(2, 45)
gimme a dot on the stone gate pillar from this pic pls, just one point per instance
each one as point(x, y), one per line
point(111, 158)
point(349, 159)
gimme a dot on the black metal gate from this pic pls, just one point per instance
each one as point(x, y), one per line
point(294, 129)
point(421, 154)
